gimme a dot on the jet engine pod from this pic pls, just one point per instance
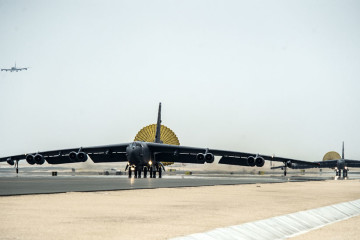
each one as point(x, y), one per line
point(81, 156)
point(251, 161)
point(30, 159)
point(72, 156)
point(39, 159)
point(200, 156)
point(289, 164)
point(209, 158)
point(10, 161)
point(259, 162)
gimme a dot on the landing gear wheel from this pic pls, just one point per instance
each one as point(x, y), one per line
point(160, 171)
point(139, 173)
point(135, 172)
point(151, 172)
point(129, 172)
point(145, 172)
point(154, 174)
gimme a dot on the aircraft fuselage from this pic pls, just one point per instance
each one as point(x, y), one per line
point(138, 154)
point(341, 164)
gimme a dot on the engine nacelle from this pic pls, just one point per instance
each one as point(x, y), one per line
point(78, 156)
point(200, 156)
point(10, 162)
point(209, 158)
point(30, 159)
point(259, 161)
point(72, 156)
point(251, 161)
point(289, 164)
point(81, 156)
point(39, 159)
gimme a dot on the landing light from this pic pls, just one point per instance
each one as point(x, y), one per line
point(150, 162)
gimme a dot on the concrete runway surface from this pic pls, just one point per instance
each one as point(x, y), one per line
point(42, 185)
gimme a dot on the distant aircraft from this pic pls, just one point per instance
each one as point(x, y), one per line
point(142, 157)
point(339, 165)
point(14, 69)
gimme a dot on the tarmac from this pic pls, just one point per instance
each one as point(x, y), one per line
point(21, 185)
point(168, 211)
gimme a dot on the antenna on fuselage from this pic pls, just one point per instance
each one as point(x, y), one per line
point(158, 126)
point(343, 151)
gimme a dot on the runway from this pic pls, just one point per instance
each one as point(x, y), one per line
point(23, 185)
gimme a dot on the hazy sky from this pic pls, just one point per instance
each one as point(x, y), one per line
point(277, 77)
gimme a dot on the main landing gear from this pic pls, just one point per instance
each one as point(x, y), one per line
point(344, 172)
point(151, 170)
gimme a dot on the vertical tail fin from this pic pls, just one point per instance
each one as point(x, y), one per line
point(158, 126)
point(343, 151)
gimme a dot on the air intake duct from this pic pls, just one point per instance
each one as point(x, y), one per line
point(259, 161)
point(200, 156)
point(251, 161)
point(39, 159)
point(209, 158)
point(30, 159)
point(78, 156)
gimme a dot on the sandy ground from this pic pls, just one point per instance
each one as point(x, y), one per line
point(165, 213)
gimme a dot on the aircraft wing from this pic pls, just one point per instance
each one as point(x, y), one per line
point(352, 163)
point(3, 69)
point(333, 163)
point(185, 154)
point(106, 153)
point(156, 147)
point(299, 163)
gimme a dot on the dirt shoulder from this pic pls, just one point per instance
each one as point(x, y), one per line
point(162, 213)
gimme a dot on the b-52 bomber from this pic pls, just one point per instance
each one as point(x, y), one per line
point(339, 165)
point(142, 157)
point(148, 157)
point(14, 69)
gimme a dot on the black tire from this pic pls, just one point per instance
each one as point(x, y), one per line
point(145, 172)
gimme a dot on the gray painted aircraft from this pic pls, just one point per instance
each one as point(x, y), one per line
point(142, 157)
point(340, 165)
point(13, 69)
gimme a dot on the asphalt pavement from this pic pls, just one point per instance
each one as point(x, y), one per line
point(22, 185)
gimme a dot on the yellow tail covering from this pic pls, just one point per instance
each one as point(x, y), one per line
point(167, 136)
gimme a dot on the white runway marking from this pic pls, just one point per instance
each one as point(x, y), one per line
point(283, 227)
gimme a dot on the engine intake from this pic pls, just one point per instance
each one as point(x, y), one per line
point(251, 161)
point(200, 157)
point(39, 159)
point(259, 161)
point(81, 156)
point(209, 158)
point(30, 159)
point(289, 164)
point(78, 157)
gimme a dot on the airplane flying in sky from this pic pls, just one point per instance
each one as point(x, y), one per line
point(142, 157)
point(13, 69)
point(340, 165)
